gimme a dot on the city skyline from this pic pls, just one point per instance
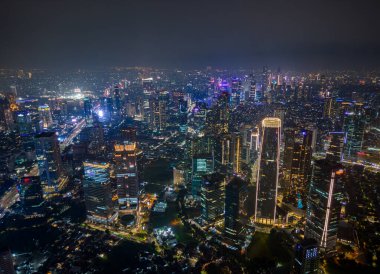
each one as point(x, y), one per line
point(168, 136)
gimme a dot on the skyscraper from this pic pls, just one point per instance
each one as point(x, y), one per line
point(324, 204)
point(46, 119)
point(98, 193)
point(268, 171)
point(353, 126)
point(335, 148)
point(49, 162)
point(235, 203)
point(24, 123)
point(158, 111)
point(87, 106)
point(126, 174)
point(202, 164)
point(297, 163)
point(212, 197)
point(306, 260)
point(31, 197)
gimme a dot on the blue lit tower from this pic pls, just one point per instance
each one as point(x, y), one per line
point(324, 204)
point(202, 164)
point(87, 106)
point(353, 127)
point(98, 193)
point(268, 171)
point(49, 162)
point(306, 259)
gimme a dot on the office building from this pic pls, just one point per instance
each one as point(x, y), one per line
point(125, 161)
point(31, 197)
point(268, 172)
point(49, 162)
point(353, 127)
point(202, 164)
point(267, 176)
point(212, 197)
point(324, 204)
point(98, 193)
point(236, 196)
point(306, 259)
point(46, 119)
point(297, 164)
point(335, 146)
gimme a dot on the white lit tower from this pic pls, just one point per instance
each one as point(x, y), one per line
point(268, 172)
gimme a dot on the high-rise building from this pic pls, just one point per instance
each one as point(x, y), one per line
point(24, 123)
point(202, 164)
point(235, 206)
point(98, 193)
point(353, 127)
point(306, 259)
point(236, 91)
point(87, 106)
point(218, 117)
point(324, 204)
point(268, 171)
point(297, 164)
point(212, 197)
point(6, 262)
point(158, 111)
point(31, 197)
point(117, 98)
point(46, 119)
point(49, 162)
point(335, 146)
point(125, 161)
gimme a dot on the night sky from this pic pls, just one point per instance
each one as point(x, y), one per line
point(292, 34)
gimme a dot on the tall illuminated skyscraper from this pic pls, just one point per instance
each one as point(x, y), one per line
point(158, 111)
point(49, 162)
point(202, 164)
point(98, 193)
point(335, 149)
point(236, 91)
point(353, 127)
point(268, 171)
point(297, 164)
point(24, 123)
point(87, 106)
point(324, 204)
point(126, 174)
point(45, 116)
point(212, 197)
